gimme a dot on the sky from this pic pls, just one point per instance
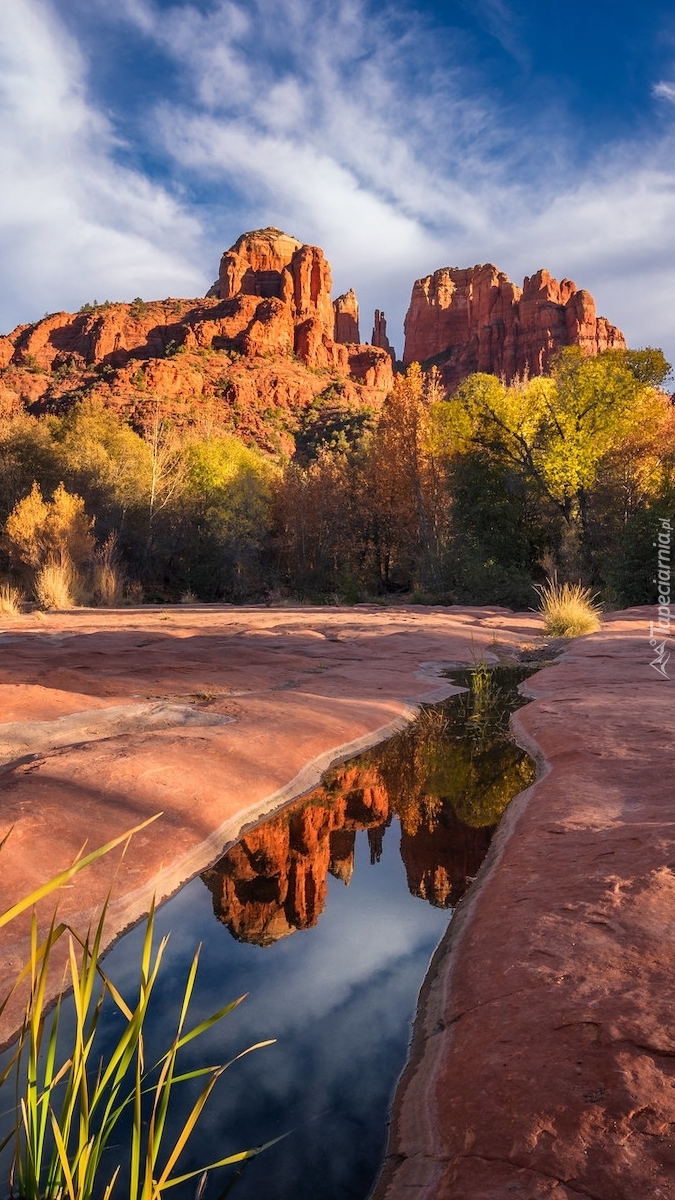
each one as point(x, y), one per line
point(139, 138)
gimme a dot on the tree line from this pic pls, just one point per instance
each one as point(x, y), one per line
point(471, 498)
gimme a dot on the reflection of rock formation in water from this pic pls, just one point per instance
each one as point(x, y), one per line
point(441, 859)
point(274, 880)
point(342, 845)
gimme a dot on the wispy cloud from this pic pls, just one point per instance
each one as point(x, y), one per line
point(503, 24)
point(73, 224)
point(665, 90)
point(352, 127)
point(356, 132)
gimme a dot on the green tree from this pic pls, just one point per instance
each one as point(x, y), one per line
point(558, 433)
point(227, 500)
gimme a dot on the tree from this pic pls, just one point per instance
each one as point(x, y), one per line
point(58, 531)
point(226, 502)
point(406, 496)
point(557, 433)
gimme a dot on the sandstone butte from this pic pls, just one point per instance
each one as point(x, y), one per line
point(478, 320)
point(252, 355)
point(268, 341)
point(543, 1056)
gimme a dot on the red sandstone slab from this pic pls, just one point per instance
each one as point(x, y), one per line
point(543, 1061)
point(108, 718)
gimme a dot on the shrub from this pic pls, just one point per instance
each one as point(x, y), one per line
point(57, 584)
point(568, 609)
point(108, 577)
point(40, 533)
point(10, 600)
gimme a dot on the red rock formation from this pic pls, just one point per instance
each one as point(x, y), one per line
point(379, 337)
point(347, 318)
point(271, 302)
point(274, 880)
point(268, 263)
point(478, 320)
point(440, 860)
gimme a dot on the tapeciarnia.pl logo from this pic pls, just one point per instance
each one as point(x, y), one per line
point(661, 629)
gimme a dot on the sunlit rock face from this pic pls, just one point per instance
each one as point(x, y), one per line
point(266, 339)
point(296, 280)
point(274, 880)
point(476, 319)
point(347, 318)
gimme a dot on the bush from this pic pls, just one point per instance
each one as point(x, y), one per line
point(10, 600)
point(568, 609)
point(57, 584)
point(107, 575)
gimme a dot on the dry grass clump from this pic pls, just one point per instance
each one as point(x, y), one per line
point(57, 585)
point(107, 575)
point(568, 609)
point(10, 600)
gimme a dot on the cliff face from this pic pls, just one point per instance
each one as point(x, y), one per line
point(478, 320)
point(379, 337)
point(274, 880)
point(253, 345)
point(347, 318)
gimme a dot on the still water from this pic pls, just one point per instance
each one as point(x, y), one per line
point(327, 916)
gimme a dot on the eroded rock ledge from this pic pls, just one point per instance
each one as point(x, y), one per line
point(211, 716)
point(543, 1060)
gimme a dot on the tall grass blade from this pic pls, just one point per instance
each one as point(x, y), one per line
point(67, 1112)
point(64, 877)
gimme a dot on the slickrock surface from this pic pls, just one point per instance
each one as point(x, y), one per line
point(211, 716)
point(543, 1060)
point(476, 319)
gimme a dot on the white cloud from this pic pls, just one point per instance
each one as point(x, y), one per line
point(359, 132)
point(356, 134)
point(73, 224)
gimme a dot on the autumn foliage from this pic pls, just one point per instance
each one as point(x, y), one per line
point(472, 497)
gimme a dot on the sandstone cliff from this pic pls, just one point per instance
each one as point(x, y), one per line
point(347, 318)
point(478, 320)
point(379, 337)
point(253, 354)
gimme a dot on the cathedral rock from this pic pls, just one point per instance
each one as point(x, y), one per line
point(267, 338)
point(476, 319)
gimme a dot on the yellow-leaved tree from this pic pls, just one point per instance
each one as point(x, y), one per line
point(562, 434)
point(53, 539)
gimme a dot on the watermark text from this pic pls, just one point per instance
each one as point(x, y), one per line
point(659, 630)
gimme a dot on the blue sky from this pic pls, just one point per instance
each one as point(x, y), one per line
point(140, 137)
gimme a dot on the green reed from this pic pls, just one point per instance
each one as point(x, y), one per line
point(68, 1104)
